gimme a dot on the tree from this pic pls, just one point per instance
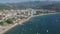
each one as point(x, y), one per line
point(9, 21)
point(1, 23)
point(17, 13)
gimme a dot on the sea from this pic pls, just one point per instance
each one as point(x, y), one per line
point(45, 24)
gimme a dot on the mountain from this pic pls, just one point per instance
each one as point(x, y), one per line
point(30, 4)
point(52, 5)
point(3, 6)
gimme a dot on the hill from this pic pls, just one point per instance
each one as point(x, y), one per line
point(53, 5)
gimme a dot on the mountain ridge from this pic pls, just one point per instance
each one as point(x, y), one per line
point(32, 4)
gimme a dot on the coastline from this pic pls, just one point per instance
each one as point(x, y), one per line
point(42, 15)
point(22, 21)
point(13, 25)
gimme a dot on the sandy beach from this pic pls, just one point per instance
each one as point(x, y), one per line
point(13, 25)
point(7, 28)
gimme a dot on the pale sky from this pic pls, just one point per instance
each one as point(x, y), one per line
point(5, 1)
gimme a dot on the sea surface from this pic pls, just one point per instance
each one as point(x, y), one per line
point(46, 24)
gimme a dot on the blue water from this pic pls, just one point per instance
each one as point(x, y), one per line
point(47, 24)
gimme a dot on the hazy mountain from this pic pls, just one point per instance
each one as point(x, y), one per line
point(3, 6)
point(53, 5)
point(23, 5)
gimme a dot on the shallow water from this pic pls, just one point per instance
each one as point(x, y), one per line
point(47, 24)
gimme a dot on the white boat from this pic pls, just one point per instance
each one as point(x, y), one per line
point(46, 30)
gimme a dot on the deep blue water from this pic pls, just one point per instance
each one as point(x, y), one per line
point(47, 24)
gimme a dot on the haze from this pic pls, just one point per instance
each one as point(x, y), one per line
point(11, 1)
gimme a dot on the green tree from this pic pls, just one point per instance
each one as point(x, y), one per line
point(1, 23)
point(9, 21)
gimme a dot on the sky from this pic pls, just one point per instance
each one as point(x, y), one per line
point(9, 1)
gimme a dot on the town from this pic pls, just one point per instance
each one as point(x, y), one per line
point(29, 17)
point(13, 17)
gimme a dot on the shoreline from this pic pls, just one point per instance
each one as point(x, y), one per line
point(22, 21)
point(8, 29)
point(42, 14)
point(11, 26)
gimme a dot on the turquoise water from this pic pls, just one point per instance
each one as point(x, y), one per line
point(47, 24)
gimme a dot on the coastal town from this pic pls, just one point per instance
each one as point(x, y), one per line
point(29, 16)
point(11, 18)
